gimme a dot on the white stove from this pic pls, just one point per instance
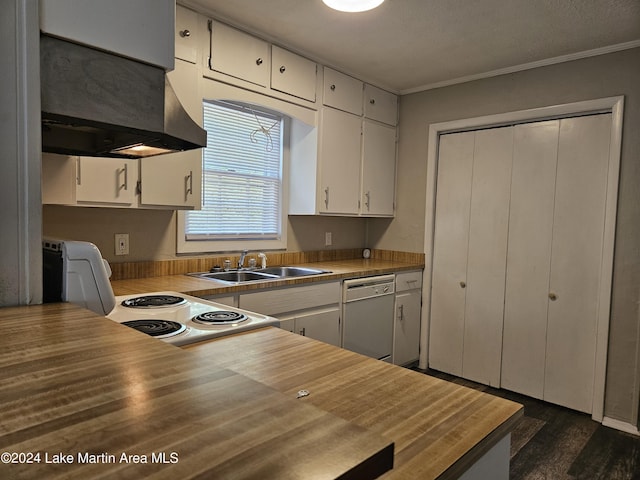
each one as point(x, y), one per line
point(181, 319)
point(75, 272)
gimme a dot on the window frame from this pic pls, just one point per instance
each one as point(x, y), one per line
point(232, 245)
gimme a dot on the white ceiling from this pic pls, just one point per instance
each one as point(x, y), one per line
point(411, 45)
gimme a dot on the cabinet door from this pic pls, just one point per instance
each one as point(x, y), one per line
point(380, 105)
point(451, 241)
point(576, 256)
point(339, 153)
point(342, 92)
point(406, 327)
point(239, 55)
point(175, 180)
point(106, 180)
point(378, 169)
point(529, 250)
point(486, 265)
point(323, 325)
point(186, 35)
point(293, 74)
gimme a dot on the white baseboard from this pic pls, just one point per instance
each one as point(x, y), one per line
point(620, 425)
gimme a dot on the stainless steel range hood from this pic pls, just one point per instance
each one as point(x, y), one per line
point(103, 105)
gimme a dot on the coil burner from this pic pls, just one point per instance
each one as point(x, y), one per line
point(157, 328)
point(154, 301)
point(220, 317)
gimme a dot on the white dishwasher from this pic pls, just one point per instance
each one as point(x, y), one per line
point(367, 305)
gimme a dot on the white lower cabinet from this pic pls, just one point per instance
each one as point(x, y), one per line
point(322, 324)
point(310, 310)
point(406, 324)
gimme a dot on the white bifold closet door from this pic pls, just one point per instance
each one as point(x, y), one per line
point(518, 241)
point(470, 247)
point(555, 241)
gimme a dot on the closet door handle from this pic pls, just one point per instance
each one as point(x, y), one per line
point(326, 197)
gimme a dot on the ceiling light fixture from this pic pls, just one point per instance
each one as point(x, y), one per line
point(353, 5)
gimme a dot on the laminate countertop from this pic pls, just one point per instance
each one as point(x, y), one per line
point(339, 269)
point(439, 428)
point(85, 397)
point(93, 398)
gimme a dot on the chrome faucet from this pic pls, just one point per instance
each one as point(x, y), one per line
point(241, 261)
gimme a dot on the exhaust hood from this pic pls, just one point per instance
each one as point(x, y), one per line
point(103, 105)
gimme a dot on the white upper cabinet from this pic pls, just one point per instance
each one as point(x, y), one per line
point(339, 152)
point(239, 55)
point(293, 74)
point(342, 92)
point(378, 169)
point(141, 30)
point(186, 34)
point(89, 181)
point(380, 105)
point(255, 64)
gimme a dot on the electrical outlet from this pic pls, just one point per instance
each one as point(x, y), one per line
point(327, 239)
point(122, 244)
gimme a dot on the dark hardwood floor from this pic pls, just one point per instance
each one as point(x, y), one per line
point(555, 443)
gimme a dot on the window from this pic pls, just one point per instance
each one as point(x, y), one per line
point(242, 204)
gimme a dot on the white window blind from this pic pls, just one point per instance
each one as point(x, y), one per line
point(242, 175)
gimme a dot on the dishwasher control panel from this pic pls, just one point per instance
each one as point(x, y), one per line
point(368, 287)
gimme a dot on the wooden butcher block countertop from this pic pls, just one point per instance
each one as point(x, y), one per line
point(439, 429)
point(85, 397)
point(339, 269)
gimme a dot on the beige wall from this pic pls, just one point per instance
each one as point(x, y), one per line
point(597, 77)
point(152, 233)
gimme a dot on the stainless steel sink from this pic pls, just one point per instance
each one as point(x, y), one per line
point(270, 273)
point(292, 271)
point(236, 276)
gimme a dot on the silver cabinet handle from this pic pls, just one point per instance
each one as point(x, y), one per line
point(258, 61)
point(282, 69)
point(332, 87)
point(78, 171)
point(463, 284)
point(185, 33)
point(368, 202)
point(302, 332)
point(553, 296)
point(401, 312)
point(189, 183)
point(326, 197)
point(125, 184)
point(372, 101)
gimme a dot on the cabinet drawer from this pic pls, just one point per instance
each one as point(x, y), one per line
point(285, 300)
point(293, 74)
point(239, 55)
point(342, 92)
point(408, 281)
point(380, 105)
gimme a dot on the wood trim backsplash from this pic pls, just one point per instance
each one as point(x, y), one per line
point(159, 268)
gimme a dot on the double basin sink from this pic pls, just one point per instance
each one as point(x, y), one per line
point(263, 274)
